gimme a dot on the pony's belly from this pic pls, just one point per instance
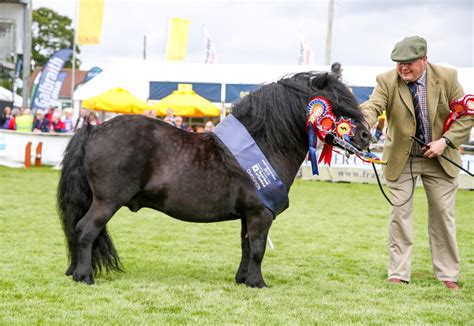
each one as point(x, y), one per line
point(190, 206)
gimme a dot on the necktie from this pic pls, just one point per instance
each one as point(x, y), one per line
point(416, 104)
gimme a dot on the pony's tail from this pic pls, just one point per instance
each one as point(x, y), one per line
point(74, 199)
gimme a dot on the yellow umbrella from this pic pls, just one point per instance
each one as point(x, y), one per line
point(116, 100)
point(186, 102)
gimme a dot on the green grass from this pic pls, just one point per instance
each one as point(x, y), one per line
point(328, 265)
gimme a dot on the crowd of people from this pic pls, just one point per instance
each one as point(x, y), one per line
point(55, 120)
point(178, 121)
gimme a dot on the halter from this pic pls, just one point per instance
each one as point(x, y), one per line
point(322, 123)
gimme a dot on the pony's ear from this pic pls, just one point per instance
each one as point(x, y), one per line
point(320, 81)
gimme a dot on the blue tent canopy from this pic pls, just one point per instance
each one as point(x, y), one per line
point(233, 92)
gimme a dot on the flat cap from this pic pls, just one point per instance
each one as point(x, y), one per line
point(409, 49)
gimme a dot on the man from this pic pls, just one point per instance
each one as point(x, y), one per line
point(429, 88)
point(24, 122)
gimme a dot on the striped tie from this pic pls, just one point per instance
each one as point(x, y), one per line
point(416, 104)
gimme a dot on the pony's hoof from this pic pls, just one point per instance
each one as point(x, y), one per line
point(256, 284)
point(239, 279)
point(88, 279)
point(69, 271)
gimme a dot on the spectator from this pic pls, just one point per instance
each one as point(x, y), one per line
point(170, 115)
point(24, 122)
point(40, 124)
point(49, 116)
point(336, 69)
point(92, 119)
point(57, 124)
point(83, 114)
point(5, 117)
point(178, 120)
point(167, 119)
point(67, 119)
point(12, 123)
point(209, 126)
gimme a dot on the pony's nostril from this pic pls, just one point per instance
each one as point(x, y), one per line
point(365, 136)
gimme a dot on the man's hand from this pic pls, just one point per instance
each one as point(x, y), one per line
point(436, 148)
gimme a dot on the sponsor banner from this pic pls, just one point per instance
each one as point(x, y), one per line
point(57, 86)
point(353, 170)
point(50, 74)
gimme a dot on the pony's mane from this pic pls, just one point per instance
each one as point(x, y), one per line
point(276, 113)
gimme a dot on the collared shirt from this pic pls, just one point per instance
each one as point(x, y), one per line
point(422, 98)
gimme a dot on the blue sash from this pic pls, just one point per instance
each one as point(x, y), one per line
point(237, 139)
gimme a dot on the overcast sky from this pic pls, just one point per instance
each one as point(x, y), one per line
point(268, 32)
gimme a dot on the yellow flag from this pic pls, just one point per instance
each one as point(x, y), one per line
point(89, 25)
point(176, 47)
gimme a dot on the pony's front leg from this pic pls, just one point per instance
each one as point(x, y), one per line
point(258, 227)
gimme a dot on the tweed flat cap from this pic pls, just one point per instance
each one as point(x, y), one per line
point(409, 49)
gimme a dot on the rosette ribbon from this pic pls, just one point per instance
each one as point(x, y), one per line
point(458, 108)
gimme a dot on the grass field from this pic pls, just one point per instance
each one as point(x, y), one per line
point(328, 265)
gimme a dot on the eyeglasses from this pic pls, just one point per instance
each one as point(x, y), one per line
point(407, 64)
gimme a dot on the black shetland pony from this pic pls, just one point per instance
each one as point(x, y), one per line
point(137, 162)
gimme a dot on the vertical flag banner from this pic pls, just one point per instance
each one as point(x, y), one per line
point(19, 65)
point(89, 26)
point(50, 74)
point(57, 86)
point(177, 45)
point(305, 53)
point(211, 56)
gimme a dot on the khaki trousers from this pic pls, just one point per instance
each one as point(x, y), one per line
point(441, 193)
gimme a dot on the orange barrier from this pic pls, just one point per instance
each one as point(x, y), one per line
point(28, 155)
point(39, 149)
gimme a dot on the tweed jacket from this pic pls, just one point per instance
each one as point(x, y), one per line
point(392, 94)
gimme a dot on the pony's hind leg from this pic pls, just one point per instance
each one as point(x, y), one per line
point(244, 262)
point(88, 230)
point(258, 227)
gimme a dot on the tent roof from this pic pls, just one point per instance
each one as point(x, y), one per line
point(116, 100)
point(135, 75)
point(186, 102)
point(6, 95)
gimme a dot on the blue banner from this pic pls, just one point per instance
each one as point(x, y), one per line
point(57, 86)
point(19, 65)
point(49, 76)
point(237, 139)
point(235, 92)
point(362, 93)
point(94, 71)
point(210, 91)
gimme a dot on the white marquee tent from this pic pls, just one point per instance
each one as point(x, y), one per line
point(7, 96)
point(136, 75)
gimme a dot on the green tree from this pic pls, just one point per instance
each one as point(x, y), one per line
point(50, 33)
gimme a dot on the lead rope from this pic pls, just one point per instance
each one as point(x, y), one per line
point(383, 192)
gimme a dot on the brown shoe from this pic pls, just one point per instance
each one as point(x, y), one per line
point(397, 280)
point(451, 285)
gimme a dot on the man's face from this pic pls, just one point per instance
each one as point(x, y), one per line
point(411, 71)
